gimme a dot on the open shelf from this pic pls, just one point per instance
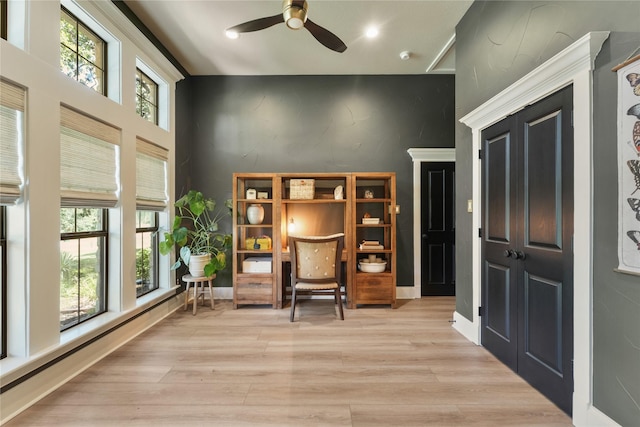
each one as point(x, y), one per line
point(336, 203)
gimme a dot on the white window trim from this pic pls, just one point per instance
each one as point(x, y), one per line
point(114, 49)
point(163, 93)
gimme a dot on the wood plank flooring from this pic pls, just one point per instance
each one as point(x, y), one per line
point(252, 367)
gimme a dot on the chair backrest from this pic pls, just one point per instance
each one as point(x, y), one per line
point(316, 259)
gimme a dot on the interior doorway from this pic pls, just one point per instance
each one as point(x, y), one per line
point(574, 65)
point(438, 236)
point(527, 254)
point(420, 156)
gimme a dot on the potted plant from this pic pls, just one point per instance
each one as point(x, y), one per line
point(196, 232)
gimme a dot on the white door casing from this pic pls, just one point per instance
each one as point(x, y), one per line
point(419, 156)
point(573, 66)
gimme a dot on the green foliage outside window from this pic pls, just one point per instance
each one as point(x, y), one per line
point(82, 264)
point(143, 266)
point(146, 252)
point(146, 97)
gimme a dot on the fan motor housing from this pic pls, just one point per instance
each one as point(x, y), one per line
point(295, 15)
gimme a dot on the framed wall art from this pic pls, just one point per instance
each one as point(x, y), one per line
point(629, 165)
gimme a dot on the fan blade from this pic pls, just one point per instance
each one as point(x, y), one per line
point(258, 24)
point(325, 36)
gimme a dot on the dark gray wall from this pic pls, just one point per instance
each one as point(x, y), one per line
point(229, 124)
point(496, 44)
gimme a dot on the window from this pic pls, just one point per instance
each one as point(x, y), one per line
point(151, 196)
point(82, 53)
point(3, 283)
point(89, 183)
point(83, 264)
point(146, 252)
point(146, 97)
point(12, 113)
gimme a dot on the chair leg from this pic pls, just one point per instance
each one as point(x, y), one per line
point(339, 302)
point(293, 302)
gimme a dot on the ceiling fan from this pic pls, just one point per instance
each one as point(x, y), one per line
point(294, 14)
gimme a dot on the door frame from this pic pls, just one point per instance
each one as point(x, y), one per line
point(419, 156)
point(572, 66)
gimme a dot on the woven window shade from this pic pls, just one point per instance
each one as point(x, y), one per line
point(88, 161)
point(12, 107)
point(151, 176)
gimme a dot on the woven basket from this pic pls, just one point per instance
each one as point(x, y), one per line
point(302, 189)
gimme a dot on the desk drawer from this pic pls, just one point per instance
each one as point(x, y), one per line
point(374, 288)
point(254, 289)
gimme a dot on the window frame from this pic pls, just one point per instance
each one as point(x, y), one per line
point(3, 282)
point(141, 100)
point(103, 235)
point(155, 253)
point(105, 46)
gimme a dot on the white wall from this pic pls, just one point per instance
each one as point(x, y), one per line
point(30, 58)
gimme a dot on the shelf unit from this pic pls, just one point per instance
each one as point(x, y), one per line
point(320, 216)
point(374, 196)
point(256, 287)
point(323, 214)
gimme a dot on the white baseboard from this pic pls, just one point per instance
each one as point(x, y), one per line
point(223, 293)
point(587, 415)
point(405, 292)
point(466, 327)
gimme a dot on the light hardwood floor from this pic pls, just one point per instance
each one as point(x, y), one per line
point(252, 367)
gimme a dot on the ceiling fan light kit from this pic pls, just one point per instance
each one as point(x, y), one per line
point(294, 14)
point(232, 34)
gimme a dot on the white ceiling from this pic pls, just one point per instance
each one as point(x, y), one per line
point(194, 32)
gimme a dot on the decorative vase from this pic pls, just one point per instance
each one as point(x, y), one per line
point(197, 263)
point(255, 214)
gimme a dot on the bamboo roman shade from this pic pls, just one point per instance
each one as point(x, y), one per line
point(151, 176)
point(88, 161)
point(12, 108)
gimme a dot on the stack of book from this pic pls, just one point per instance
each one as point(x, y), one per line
point(373, 221)
point(371, 245)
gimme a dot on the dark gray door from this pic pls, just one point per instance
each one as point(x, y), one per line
point(527, 277)
point(438, 228)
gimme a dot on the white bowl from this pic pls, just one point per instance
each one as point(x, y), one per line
point(373, 267)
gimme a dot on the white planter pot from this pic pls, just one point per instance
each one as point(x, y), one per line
point(255, 214)
point(197, 263)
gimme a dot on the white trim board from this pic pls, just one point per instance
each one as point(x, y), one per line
point(573, 66)
point(420, 155)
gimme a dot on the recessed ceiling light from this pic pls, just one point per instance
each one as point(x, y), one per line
point(372, 32)
point(232, 34)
